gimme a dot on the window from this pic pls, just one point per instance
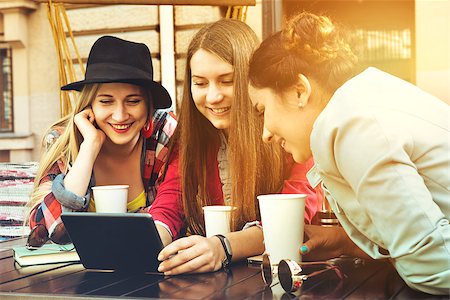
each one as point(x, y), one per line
point(384, 45)
point(388, 50)
point(383, 31)
point(6, 97)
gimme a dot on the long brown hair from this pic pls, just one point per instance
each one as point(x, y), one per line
point(255, 168)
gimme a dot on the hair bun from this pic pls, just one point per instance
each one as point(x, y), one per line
point(315, 38)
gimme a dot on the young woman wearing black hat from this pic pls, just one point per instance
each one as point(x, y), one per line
point(116, 134)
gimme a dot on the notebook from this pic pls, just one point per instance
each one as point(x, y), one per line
point(114, 241)
point(47, 254)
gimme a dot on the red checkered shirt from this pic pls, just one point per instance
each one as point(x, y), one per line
point(48, 210)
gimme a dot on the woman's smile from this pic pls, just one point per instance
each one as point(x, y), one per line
point(120, 111)
point(219, 111)
point(121, 128)
point(212, 88)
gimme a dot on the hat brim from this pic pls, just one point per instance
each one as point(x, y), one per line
point(161, 98)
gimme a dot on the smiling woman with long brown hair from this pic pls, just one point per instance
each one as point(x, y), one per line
point(222, 160)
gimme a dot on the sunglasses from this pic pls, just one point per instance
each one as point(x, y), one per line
point(39, 236)
point(290, 274)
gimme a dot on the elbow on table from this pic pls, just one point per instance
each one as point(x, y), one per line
point(425, 265)
point(436, 284)
point(426, 269)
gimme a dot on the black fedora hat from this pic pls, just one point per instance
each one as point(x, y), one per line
point(115, 60)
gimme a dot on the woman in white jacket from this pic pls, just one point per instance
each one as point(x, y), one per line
point(381, 147)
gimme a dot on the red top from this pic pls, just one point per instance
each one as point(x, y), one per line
point(168, 207)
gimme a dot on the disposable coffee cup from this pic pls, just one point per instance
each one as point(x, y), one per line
point(217, 219)
point(111, 198)
point(282, 217)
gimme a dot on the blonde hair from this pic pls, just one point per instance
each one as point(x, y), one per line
point(65, 148)
point(197, 140)
point(309, 44)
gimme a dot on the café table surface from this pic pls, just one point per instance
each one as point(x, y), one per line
point(362, 280)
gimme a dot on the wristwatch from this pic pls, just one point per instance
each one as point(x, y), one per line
point(227, 248)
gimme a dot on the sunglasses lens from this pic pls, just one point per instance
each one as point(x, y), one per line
point(266, 270)
point(60, 235)
point(38, 236)
point(285, 275)
point(289, 273)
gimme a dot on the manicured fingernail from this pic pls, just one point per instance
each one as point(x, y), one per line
point(160, 257)
point(168, 273)
point(304, 249)
point(160, 269)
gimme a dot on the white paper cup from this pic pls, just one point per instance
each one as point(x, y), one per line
point(282, 217)
point(111, 198)
point(217, 219)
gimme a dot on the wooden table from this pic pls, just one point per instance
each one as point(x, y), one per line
point(370, 280)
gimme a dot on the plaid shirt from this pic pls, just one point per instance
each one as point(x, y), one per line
point(154, 157)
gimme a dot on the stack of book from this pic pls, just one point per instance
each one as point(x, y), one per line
point(47, 254)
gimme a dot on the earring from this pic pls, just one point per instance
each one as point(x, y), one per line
point(148, 129)
point(300, 104)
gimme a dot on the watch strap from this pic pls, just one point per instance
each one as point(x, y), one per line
point(227, 248)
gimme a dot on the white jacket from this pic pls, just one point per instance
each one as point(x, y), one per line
point(382, 149)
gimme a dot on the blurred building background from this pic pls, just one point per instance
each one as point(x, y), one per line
point(407, 38)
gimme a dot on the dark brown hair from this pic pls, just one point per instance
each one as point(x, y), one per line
point(310, 45)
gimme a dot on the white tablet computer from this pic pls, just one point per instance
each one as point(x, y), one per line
point(109, 241)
